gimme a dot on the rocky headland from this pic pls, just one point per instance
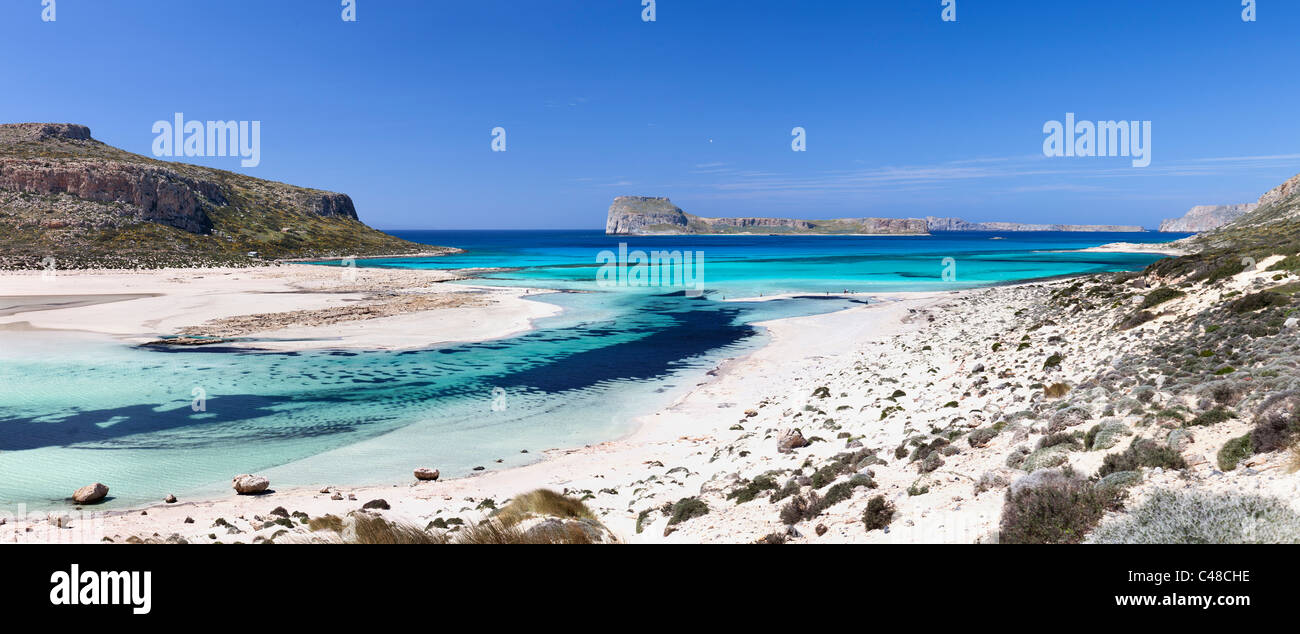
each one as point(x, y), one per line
point(1206, 218)
point(69, 201)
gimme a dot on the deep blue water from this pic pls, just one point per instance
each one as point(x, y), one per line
point(76, 409)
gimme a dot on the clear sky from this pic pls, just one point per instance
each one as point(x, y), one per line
point(906, 115)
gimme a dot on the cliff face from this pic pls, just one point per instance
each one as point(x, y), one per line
point(631, 215)
point(640, 215)
point(957, 224)
point(1207, 217)
point(161, 195)
point(65, 195)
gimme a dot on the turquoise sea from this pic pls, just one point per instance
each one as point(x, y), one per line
point(76, 409)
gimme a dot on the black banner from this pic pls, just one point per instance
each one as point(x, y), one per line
point(310, 582)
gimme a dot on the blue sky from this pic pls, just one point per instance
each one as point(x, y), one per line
point(906, 115)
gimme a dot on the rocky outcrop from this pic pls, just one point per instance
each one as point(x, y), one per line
point(67, 196)
point(154, 191)
point(33, 132)
point(1207, 217)
point(160, 195)
point(957, 224)
point(631, 215)
point(642, 215)
point(333, 205)
point(425, 474)
point(1281, 193)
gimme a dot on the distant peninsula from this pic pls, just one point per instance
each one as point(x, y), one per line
point(644, 215)
point(641, 215)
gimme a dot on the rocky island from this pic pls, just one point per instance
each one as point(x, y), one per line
point(68, 197)
point(643, 215)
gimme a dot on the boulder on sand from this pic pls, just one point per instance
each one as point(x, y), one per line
point(90, 494)
point(789, 440)
point(246, 484)
point(426, 475)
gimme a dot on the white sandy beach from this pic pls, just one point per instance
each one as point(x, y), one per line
point(295, 305)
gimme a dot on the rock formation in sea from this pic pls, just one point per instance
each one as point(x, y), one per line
point(641, 215)
point(1206, 218)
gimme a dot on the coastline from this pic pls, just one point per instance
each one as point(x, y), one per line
point(884, 378)
point(670, 435)
point(1159, 248)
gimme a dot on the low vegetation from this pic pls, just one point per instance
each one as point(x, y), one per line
point(1196, 517)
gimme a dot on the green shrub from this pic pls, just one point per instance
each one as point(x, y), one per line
point(1052, 361)
point(687, 509)
point(1160, 296)
point(880, 512)
point(1272, 433)
point(1195, 517)
point(1225, 271)
point(1142, 453)
point(1104, 435)
point(1233, 452)
point(1258, 301)
point(931, 462)
point(982, 436)
point(1067, 439)
point(1212, 417)
point(793, 512)
point(791, 487)
point(1054, 507)
point(751, 489)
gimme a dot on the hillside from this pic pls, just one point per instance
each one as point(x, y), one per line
point(1206, 218)
point(66, 196)
point(1273, 228)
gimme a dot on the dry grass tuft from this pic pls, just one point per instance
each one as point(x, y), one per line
point(543, 502)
